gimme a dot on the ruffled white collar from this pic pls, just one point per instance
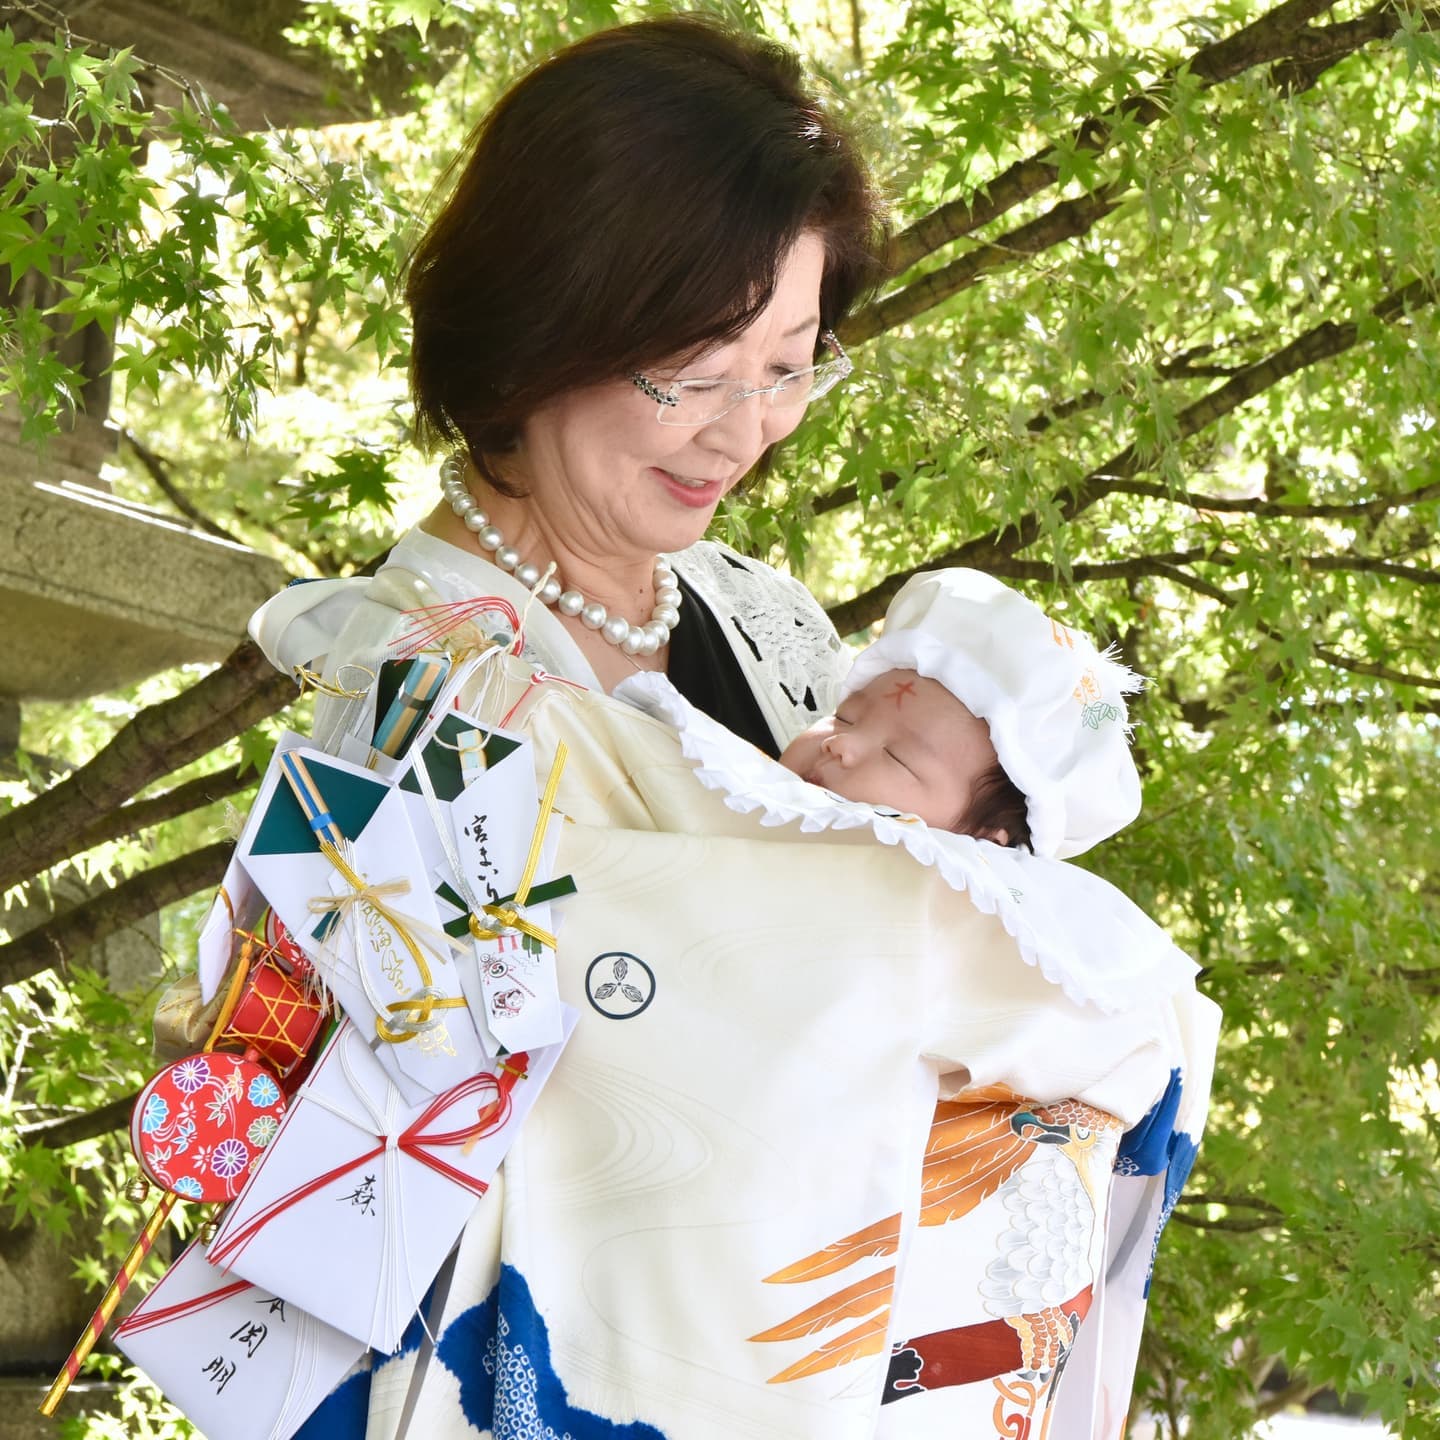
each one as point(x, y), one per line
point(1085, 936)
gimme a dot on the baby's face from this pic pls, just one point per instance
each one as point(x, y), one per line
point(903, 741)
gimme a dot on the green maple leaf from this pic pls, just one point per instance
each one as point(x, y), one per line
point(256, 748)
point(418, 13)
point(362, 476)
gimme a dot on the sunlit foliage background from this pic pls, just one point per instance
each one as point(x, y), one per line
point(1160, 346)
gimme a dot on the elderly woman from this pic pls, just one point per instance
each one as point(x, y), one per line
point(628, 301)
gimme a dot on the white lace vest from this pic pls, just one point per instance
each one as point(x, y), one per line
point(783, 641)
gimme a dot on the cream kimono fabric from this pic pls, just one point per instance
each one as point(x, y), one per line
point(827, 1155)
point(703, 1227)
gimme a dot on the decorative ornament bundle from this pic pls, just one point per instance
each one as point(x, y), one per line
point(382, 952)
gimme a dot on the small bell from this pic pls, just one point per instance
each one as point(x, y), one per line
point(208, 1231)
point(138, 1190)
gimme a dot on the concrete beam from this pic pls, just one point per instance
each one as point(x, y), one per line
point(98, 592)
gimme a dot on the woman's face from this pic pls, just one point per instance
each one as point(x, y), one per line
point(617, 484)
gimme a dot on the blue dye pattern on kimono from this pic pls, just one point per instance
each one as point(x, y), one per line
point(1145, 1150)
point(1183, 1150)
point(344, 1412)
point(499, 1351)
point(1155, 1146)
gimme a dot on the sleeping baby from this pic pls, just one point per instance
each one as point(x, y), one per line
point(978, 714)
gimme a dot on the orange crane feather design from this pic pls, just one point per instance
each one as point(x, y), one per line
point(866, 1339)
point(854, 1300)
point(971, 1153)
point(881, 1238)
point(973, 1149)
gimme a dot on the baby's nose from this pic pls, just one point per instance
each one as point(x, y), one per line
point(840, 748)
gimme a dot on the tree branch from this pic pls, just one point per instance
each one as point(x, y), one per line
point(157, 809)
point(64, 936)
point(159, 471)
point(1247, 1202)
point(1064, 221)
point(1295, 1393)
point(844, 495)
point(1072, 218)
point(1221, 504)
point(1321, 342)
point(1316, 51)
point(1135, 566)
point(1234, 1223)
point(1370, 565)
point(1321, 652)
point(1269, 38)
point(56, 1134)
point(1177, 367)
point(242, 690)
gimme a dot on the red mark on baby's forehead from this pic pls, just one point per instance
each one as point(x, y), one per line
point(902, 691)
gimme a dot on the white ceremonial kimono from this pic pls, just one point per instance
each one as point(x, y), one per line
point(737, 1209)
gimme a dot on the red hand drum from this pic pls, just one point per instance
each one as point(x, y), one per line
point(200, 1123)
point(276, 1015)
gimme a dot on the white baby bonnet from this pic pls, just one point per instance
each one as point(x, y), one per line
point(1055, 705)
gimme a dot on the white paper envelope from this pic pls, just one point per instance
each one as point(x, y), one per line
point(360, 1196)
point(489, 823)
point(242, 1363)
point(518, 990)
point(439, 749)
point(363, 958)
point(236, 902)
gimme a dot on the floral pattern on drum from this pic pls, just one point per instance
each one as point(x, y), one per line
point(199, 1124)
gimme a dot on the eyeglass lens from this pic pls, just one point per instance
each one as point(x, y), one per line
point(698, 403)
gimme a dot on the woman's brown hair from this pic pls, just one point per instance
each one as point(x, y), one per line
point(628, 201)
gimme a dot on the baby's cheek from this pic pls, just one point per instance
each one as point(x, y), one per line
point(800, 754)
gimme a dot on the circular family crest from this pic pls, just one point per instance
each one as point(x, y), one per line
point(200, 1123)
point(619, 985)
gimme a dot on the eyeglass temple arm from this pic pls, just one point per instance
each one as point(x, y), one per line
point(829, 338)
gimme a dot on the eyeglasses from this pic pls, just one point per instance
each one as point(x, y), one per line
point(698, 402)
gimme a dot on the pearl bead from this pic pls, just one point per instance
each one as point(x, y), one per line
point(631, 639)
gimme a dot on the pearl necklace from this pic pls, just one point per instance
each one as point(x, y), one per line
point(643, 639)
